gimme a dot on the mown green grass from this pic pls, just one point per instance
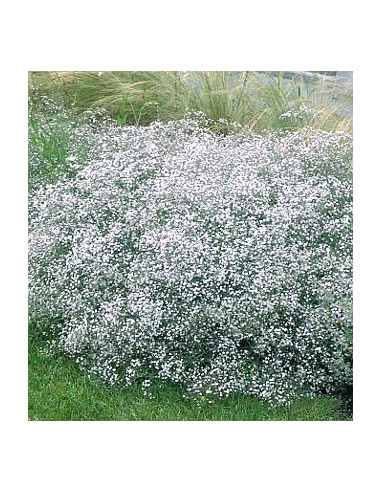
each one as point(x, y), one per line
point(59, 390)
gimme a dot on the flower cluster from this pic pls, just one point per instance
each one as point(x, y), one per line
point(300, 113)
point(222, 263)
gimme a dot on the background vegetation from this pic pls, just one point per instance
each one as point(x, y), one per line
point(255, 100)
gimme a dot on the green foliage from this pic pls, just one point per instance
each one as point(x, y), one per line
point(254, 100)
point(50, 142)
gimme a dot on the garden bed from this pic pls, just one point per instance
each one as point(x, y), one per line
point(169, 253)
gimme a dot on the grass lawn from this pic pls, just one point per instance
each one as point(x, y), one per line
point(58, 390)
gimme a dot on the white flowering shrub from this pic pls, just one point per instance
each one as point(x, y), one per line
point(222, 263)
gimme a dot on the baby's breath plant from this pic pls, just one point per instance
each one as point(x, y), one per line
point(221, 263)
point(60, 142)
